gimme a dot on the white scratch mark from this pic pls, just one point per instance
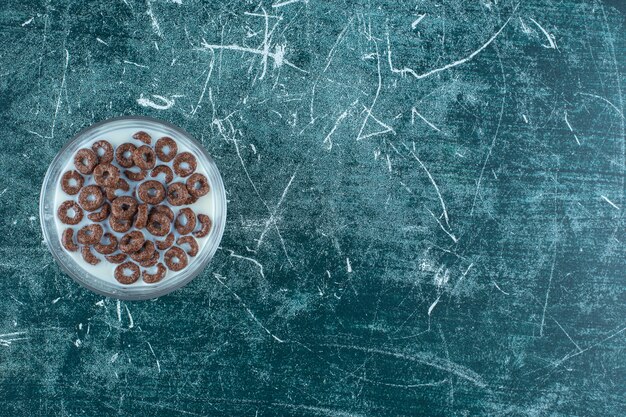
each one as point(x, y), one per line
point(56, 300)
point(119, 311)
point(155, 24)
point(130, 317)
point(570, 128)
point(146, 102)
point(155, 357)
point(454, 238)
point(545, 304)
point(498, 287)
point(254, 261)
point(217, 277)
point(102, 42)
point(272, 217)
point(28, 22)
point(388, 163)
point(348, 265)
point(610, 202)
point(606, 101)
point(432, 181)
point(552, 44)
point(100, 303)
point(135, 64)
point(433, 305)
point(56, 110)
point(206, 83)
point(414, 113)
point(114, 357)
point(525, 118)
point(78, 343)
point(407, 70)
point(568, 336)
point(286, 2)
point(328, 141)
point(418, 20)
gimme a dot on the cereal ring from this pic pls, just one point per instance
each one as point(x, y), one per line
point(122, 275)
point(63, 212)
point(132, 241)
point(191, 199)
point(197, 185)
point(177, 194)
point(205, 225)
point(101, 215)
point(124, 154)
point(120, 225)
point(176, 259)
point(142, 216)
point(165, 243)
point(151, 192)
point(90, 234)
point(67, 240)
point(110, 247)
point(104, 151)
point(184, 158)
point(156, 277)
point(135, 176)
point(88, 256)
point(153, 260)
point(193, 245)
point(91, 198)
point(163, 169)
point(158, 224)
point(144, 253)
point(124, 207)
point(143, 136)
point(72, 182)
point(144, 157)
point(166, 149)
point(110, 193)
point(106, 175)
point(163, 209)
point(118, 258)
point(122, 185)
point(85, 161)
point(189, 224)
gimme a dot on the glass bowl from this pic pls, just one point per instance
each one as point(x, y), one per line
point(78, 270)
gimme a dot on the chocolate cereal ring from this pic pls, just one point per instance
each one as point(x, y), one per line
point(104, 151)
point(189, 240)
point(85, 161)
point(151, 192)
point(106, 175)
point(124, 154)
point(88, 256)
point(118, 258)
point(186, 227)
point(124, 207)
point(197, 185)
point(91, 198)
point(67, 240)
point(165, 243)
point(177, 194)
point(122, 274)
point(176, 259)
point(135, 176)
point(163, 169)
point(142, 216)
point(153, 260)
point(132, 241)
point(72, 182)
point(144, 253)
point(158, 224)
point(205, 225)
point(143, 136)
point(144, 157)
point(110, 247)
point(191, 199)
point(156, 277)
point(166, 149)
point(184, 164)
point(163, 209)
point(101, 215)
point(120, 225)
point(64, 209)
point(90, 234)
point(122, 184)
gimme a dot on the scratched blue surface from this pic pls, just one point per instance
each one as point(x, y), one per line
point(426, 208)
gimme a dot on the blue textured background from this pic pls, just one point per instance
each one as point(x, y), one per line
point(426, 208)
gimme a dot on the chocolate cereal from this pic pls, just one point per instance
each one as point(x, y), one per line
point(64, 209)
point(124, 154)
point(197, 185)
point(68, 240)
point(143, 136)
point(91, 198)
point(205, 226)
point(72, 182)
point(141, 220)
point(122, 274)
point(185, 221)
point(144, 157)
point(144, 253)
point(118, 258)
point(165, 243)
point(184, 164)
point(108, 248)
point(85, 161)
point(132, 241)
point(166, 149)
point(156, 277)
point(90, 234)
point(101, 215)
point(88, 256)
point(163, 169)
point(135, 176)
point(106, 175)
point(176, 259)
point(177, 194)
point(189, 240)
point(151, 192)
point(104, 151)
point(124, 207)
point(158, 224)
point(153, 260)
point(120, 225)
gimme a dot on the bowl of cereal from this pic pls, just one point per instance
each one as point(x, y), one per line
point(132, 208)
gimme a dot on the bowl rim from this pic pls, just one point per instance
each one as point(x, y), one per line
point(127, 293)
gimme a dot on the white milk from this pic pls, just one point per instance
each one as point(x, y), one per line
point(105, 270)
